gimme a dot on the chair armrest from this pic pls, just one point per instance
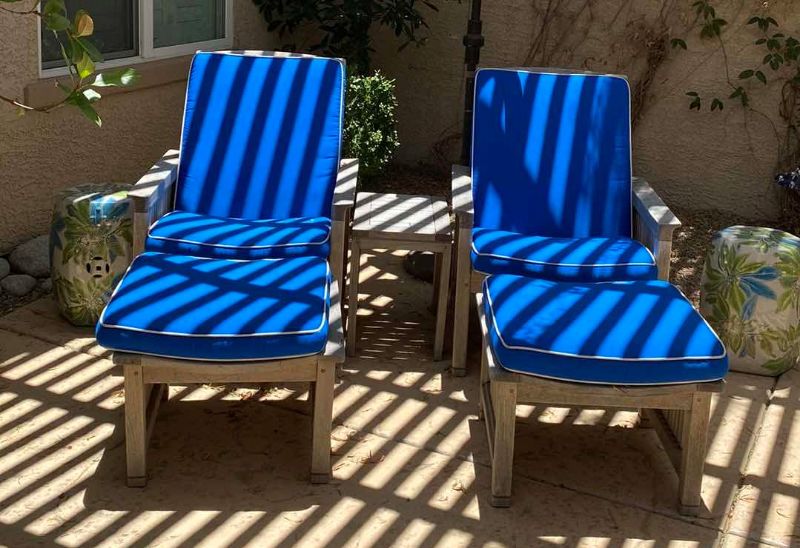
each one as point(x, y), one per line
point(462, 196)
point(652, 211)
point(151, 196)
point(344, 196)
point(653, 224)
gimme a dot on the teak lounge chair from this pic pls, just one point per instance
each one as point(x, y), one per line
point(239, 244)
point(570, 307)
point(550, 193)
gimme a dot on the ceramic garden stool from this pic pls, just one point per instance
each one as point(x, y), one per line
point(90, 248)
point(750, 295)
point(636, 344)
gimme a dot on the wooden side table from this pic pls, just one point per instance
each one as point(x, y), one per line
point(401, 221)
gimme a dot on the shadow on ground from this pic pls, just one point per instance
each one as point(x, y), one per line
point(228, 464)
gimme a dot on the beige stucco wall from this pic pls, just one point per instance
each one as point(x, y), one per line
point(701, 160)
point(695, 160)
point(40, 153)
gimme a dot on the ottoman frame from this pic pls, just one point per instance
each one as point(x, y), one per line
point(147, 380)
point(679, 414)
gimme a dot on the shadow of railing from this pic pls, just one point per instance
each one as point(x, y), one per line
point(229, 463)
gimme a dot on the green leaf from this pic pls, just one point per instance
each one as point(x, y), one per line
point(745, 74)
point(678, 43)
point(89, 48)
point(85, 66)
point(79, 100)
point(717, 104)
point(692, 94)
point(118, 78)
point(55, 21)
point(761, 77)
point(54, 6)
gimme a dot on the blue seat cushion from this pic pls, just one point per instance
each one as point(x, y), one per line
point(210, 309)
point(625, 333)
point(186, 233)
point(561, 259)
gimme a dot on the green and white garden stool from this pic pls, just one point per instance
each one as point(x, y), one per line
point(90, 248)
point(750, 295)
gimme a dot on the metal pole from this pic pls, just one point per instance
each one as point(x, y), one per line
point(473, 41)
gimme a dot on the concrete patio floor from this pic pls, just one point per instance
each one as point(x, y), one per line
point(228, 464)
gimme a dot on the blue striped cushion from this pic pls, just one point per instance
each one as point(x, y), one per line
point(626, 333)
point(561, 259)
point(210, 309)
point(185, 233)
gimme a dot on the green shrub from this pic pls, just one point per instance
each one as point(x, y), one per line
point(370, 128)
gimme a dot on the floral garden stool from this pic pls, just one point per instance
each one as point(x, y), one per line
point(90, 248)
point(750, 294)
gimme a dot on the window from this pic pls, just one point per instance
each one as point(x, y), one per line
point(130, 31)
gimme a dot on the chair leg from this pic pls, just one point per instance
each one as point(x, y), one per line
point(693, 443)
point(461, 306)
point(135, 426)
point(484, 380)
point(441, 308)
point(352, 300)
point(322, 419)
point(504, 402)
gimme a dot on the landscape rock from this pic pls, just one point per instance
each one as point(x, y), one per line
point(5, 268)
point(32, 257)
point(18, 284)
point(47, 285)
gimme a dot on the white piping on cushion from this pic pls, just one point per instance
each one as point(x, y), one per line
point(232, 335)
point(590, 357)
point(579, 381)
point(231, 246)
point(578, 265)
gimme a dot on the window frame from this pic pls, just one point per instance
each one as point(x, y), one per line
point(147, 51)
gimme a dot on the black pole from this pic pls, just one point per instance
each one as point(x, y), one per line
point(473, 41)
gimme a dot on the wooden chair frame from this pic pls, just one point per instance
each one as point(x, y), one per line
point(147, 378)
point(679, 413)
point(653, 225)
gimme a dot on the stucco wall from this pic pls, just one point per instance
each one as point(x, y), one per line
point(694, 159)
point(40, 153)
point(700, 160)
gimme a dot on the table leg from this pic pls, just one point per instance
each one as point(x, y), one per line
point(352, 301)
point(441, 308)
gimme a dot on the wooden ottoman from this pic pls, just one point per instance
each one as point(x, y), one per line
point(620, 345)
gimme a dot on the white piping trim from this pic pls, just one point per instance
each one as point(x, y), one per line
point(276, 358)
point(221, 335)
point(273, 55)
point(576, 265)
point(583, 356)
point(231, 246)
point(535, 71)
point(579, 381)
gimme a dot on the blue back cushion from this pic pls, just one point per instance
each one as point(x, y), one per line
point(261, 136)
point(551, 154)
